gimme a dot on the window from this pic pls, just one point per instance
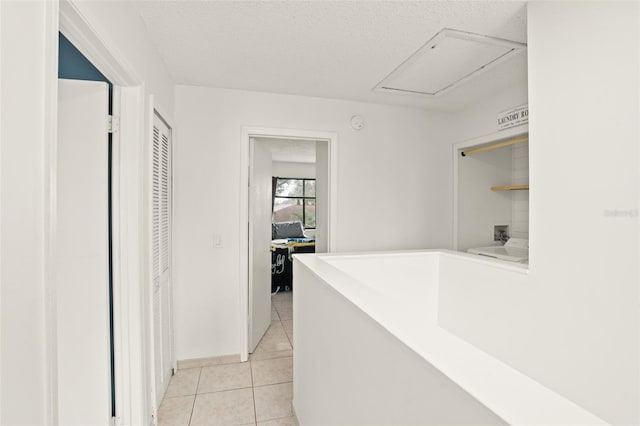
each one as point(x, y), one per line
point(295, 199)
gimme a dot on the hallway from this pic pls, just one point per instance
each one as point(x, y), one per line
point(224, 391)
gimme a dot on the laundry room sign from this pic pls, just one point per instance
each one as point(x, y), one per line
point(513, 117)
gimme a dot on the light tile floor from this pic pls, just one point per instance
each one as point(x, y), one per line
point(223, 391)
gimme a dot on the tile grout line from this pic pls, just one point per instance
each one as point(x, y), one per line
point(224, 390)
point(285, 331)
point(287, 334)
point(275, 306)
point(194, 397)
point(253, 394)
point(273, 384)
point(276, 355)
point(277, 312)
point(291, 344)
point(280, 418)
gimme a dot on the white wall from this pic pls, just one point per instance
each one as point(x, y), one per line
point(573, 325)
point(481, 119)
point(293, 169)
point(23, 348)
point(119, 25)
point(394, 193)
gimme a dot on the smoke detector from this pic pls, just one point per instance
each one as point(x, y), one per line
point(357, 122)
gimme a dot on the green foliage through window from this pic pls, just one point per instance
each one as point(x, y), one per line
point(295, 199)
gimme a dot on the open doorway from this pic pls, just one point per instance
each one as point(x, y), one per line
point(282, 219)
point(293, 205)
point(272, 158)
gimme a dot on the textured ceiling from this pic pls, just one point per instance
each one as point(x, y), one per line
point(332, 49)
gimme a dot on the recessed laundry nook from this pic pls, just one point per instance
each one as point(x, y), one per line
point(491, 195)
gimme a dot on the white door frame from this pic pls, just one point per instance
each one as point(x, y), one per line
point(129, 304)
point(52, 26)
point(266, 132)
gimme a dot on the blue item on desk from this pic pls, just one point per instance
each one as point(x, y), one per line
point(301, 240)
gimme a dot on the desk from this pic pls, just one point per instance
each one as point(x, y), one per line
point(281, 265)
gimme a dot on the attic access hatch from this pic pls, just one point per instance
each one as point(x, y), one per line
point(446, 60)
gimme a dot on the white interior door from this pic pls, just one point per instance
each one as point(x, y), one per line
point(322, 196)
point(259, 242)
point(161, 255)
point(82, 262)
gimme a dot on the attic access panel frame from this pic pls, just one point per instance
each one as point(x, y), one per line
point(449, 58)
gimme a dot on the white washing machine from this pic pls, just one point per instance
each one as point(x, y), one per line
point(514, 250)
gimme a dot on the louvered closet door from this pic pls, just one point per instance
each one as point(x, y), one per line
point(161, 254)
